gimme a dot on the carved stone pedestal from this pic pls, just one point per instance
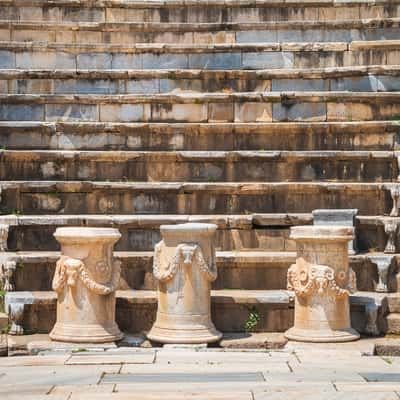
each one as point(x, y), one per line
point(322, 281)
point(85, 280)
point(184, 265)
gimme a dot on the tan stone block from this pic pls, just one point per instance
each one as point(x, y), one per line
point(119, 37)
point(88, 37)
point(4, 86)
point(82, 390)
point(25, 35)
point(134, 357)
point(31, 13)
point(5, 34)
point(220, 112)
point(180, 112)
point(393, 57)
point(253, 112)
point(65, 36)
point(349, 112)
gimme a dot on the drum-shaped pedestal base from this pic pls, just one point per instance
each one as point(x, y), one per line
point(85, 333)
point(322, 336)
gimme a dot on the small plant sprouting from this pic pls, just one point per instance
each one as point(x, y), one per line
point(252, 320)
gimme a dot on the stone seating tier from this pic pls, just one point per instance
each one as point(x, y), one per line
point(246, 114)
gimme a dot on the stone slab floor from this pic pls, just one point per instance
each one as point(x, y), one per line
point(299, 371)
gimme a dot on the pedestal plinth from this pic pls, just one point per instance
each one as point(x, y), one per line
point(184, 265)
point(85, 280)
point(322, 281)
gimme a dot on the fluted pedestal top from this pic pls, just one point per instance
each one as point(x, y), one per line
point(82, 235)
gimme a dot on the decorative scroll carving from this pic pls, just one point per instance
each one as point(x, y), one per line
point(69, 270)
point(383, 264)
point(7, 271)
point(395, 193)
point(371, 315)
point(391, 227)
point(305, 279)
point(16, 315)
point(187, 254)
point(3, 237)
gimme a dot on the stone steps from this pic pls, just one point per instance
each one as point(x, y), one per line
point(201, 166)
point(365, 79)
point(37, 55)
point(90, 197)
point(205, 107)
point(230, 308)
point(200, 33)
point(197, 11)
point(372, 135)
point(257, 232)
point(245, 270)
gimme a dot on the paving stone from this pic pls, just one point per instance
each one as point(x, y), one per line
point(369, 387)
point(267, 340)
point(175, 395)
point(32, 361)
point(381, 377)
point(82, 390)
point(315, 395)
point(120, 358)
point(55, 375)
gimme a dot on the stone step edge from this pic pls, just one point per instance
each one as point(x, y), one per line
point(238, 296)
point(199, 48)
point(148, 221)
point(244, 259)
point(154, 4)
point(372, 23)
point(226, 156)
point(36, 186)
point(165, 127)
point(211, 97)
point(295, 73)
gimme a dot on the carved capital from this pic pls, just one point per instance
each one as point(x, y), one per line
point(307, 279)
point(69, 270)
point(186, 254)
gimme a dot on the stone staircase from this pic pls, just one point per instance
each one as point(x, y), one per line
point(247, 114)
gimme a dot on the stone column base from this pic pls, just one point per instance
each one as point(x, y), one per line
point(190, 336)
point(85, 333)
point(322, 336)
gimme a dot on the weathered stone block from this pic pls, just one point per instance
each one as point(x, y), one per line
point(220, 112)
point(72, 112)
point(7, 59)
point(271, 59)
point(122, 112)
point(164, 61)
point(126, 61)
point(290, 85)
point(357, 84)
point(253, 112)
point(94, 61)
point(180, 112)
point(299, 112)
point(85, 86)
point(21, 112)
point(349, 112)
point(45, 60)
point(143, 86)
point(215, 61)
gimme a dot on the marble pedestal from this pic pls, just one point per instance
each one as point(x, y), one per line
point(184, 265)
point(85, 280)
point(322, 281)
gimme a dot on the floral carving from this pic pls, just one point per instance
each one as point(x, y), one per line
point(305, 279)
point(69, 270)
point(185, 254)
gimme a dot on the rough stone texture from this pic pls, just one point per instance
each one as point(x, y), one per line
point(184, 266)
point(322, 282)
point(85, 280)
